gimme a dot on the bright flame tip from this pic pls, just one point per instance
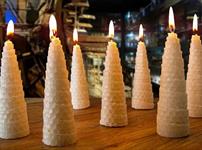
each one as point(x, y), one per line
point(10, 28)
point(111, 29)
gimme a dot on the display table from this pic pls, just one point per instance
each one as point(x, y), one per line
point(139, 134)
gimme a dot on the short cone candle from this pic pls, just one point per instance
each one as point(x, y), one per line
point(58, 118)
point(194, 75)
point(113, 109)
point(13, 109)
point(172, 113)
point(142, 96)
point(79, 86)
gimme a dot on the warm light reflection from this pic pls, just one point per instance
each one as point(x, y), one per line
point(141, 34)
point(195, 23)
point(111, 29)
point(171, 20)
point(52, 26)
point(75, 35)
point(10, 28)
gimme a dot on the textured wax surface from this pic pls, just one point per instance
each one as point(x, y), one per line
point(13, 109)
point(172, 113)
point(113, 109)
point(142, 96)
point(58, 118)
point(79, 85)
point(194, 77)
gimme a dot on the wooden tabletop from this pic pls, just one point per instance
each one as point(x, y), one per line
point(139, 134)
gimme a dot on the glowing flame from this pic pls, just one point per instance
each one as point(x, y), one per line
point(52, 26)
point(195, 23)
point(10, 28)
point(171, 19)
point(141, 34)
point(111, 29)
point(75, 35)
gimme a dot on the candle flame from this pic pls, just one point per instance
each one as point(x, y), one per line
point(10, 28)
point(111, 29)
point(75, 35)
point(52, 26)
point(195, 23)
point(141, 34)
point(171, 19)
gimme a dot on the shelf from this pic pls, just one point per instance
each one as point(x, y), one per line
point(77, 4)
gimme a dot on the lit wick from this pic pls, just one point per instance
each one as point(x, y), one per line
point(195, 24)
point(54, 33)
point(111, 31)
point(75, 36)
point(52, 27)
point(171, 20)
point(10, 30)
point(172, 29)
point(141, 34)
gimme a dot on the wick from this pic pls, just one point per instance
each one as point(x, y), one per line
point(110, 38)
point(75, 42)
point(195, 31)
point(141, 39)
point(54, 33)
point(171, 28)
point(10, 36)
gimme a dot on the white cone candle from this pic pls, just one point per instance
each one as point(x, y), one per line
point(79, 85)
point(113, 109)
point(13, 109)
point(172, 113)
point(194, 75)
point(58, 118)
point(142, 96)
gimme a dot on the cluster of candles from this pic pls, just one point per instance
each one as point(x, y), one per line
point(58, 120)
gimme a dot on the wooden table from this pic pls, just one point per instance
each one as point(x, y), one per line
point(139, 134)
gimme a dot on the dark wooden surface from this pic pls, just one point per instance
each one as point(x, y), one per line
point(139, 134)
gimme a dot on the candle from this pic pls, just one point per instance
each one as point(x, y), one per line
point(172, 116)
point(13, 112)
point(113, 109)
point(194, 75)
point(79, 85)
point(142, 96)
point(58, 119)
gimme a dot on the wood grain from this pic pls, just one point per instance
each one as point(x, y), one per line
point(139, 134)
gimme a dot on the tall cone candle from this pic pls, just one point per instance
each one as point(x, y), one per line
point(13, 109)
point(172, 113)
point(58, 118)
point(113, 109)
point(194, 75)
point(142, 96)
point(79, 85)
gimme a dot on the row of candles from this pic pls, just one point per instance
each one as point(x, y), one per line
point(164, 127)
